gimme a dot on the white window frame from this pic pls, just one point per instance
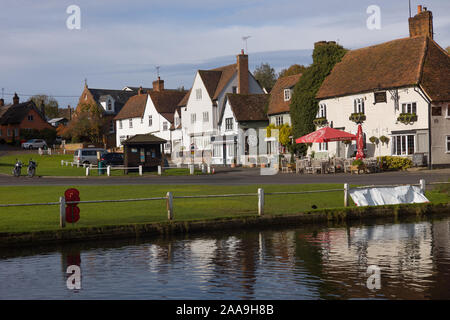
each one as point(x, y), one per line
point(447, 114)
point(394, 144)
point(279, 120)
point(150, 121)
point(228, 124)
point(323, 146)
point(120, 124)
point(30, 117)
point(165, 126)
point(287, 94)
point(198, 94)
point(409, 104)
point(130, 123)
point(447, 141)
point(193, 118)
point(359, 105)
point(322, 112)
point(206, 116)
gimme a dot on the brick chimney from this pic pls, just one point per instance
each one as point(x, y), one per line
point(2, 102)
point(15, 99)
point(242, 68)
point(158, 85)
point(140, 91)
point(422, 23)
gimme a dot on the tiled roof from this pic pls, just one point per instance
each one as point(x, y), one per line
point(394, 64)
point(14, 114)
point(185, 99)
point(134, 108)
point(277, 104)
point(248, 107)
point(144, 139)
point(215, 80)
point(120, 96)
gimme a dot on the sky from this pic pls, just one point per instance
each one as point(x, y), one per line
point(120, 43)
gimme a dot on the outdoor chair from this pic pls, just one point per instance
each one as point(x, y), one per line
point(331, 166)
point(348, 165)
point(339, 165)
point(316, 166)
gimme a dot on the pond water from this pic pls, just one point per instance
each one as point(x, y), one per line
point(408, 260)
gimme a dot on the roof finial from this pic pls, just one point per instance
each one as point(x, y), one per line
point(85, 83)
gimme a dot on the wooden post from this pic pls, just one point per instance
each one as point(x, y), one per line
point(108, 171)
point(260, 202)
point(422, 186)
point(169, 205)
point(87, 171)
point(140, 170)
point(62, 212)
point(159, 170)
point(346, 189)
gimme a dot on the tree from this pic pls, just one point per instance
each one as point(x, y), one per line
point(448, 49)
point(292, 70)
point(265, 75)
point(50, 105)
point(304, 105)
point(87, 125)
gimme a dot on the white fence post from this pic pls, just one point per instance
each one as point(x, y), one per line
point(422, 186)
point(346, 194)
point(87, 171)
point(140, 170)
point(62, 212)
point(62, 162)
point(78, 164)
point(50, 151)
point(260, 202)
point(169, 205)
point(108, 171)
point(159, 170)
point(191, 169)
point(209, 169)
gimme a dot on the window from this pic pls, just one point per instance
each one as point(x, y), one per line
point(380, 97)
point(198, 94)
point(150, 121)
point(85, 96)
point(448, 112)
point(447, 138)
point(436, 111)
point(206, 116)
point(8, 132)
point(120, 124)
point(30, 117)
point(403, 145)
point(323, 146)
point(234, 89)
point(279, 121)
point(165, 126)
point(193, 117)
point(409, 108)
point(16, 132)
point(109, 107)
point(217, 150)
point(228, 124)
point(287, 94)
point(322, 113)
point(177, 122)
point(111, 126)
point(130, 123)
point(359, 105)
point(142, 120)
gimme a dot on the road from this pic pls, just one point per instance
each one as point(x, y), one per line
point(237, 177)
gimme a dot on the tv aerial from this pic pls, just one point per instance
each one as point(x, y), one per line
point(245, 38)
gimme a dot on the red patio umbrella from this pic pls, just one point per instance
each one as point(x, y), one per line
point(326, 134)
point(360, 144)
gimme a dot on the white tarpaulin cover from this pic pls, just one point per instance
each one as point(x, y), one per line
point(387, 195)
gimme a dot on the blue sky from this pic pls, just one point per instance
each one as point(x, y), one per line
point(121, 42)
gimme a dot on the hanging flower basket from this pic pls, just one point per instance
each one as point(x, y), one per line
point(320, 122)
point(374, 140)
point(407, 118)
point(384, 139)
point(357, 117)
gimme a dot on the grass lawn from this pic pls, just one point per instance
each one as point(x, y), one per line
point(51, 166)
point(18, 219)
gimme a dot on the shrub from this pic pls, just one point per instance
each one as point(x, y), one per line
point(357, 162)
point(395, 163)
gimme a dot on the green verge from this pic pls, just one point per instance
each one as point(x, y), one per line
point(51, 166)
point(41, 218)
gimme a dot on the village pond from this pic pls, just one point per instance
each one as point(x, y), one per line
point(407, 260)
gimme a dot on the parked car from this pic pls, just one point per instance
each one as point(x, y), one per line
point(87, 155)
point(34, 144)
point(112, 159)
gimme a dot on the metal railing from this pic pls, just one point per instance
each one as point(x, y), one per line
point(170, 197)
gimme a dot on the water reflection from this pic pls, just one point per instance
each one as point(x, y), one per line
point(315, 262)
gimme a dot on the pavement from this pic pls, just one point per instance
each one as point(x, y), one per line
point(238, 176)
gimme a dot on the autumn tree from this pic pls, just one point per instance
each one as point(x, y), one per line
point(50, 105)
point(265, 75)
point(87, 125)
point(292, 70)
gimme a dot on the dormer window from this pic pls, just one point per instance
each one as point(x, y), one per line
point(287, 94)
point(109, 106)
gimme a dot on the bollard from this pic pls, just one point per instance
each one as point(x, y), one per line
point(78, 164)
point(62, 212)
point(50, 152)
point(169, 205)
point(346, 194)
point(140, 170)
point(209, 169)
point(422, 186)
point(260, 202)
point(191, 169)
point(159, 170)
point(87, 171)
point(108, 171)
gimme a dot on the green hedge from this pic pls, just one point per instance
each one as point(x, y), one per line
point(395, 163)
